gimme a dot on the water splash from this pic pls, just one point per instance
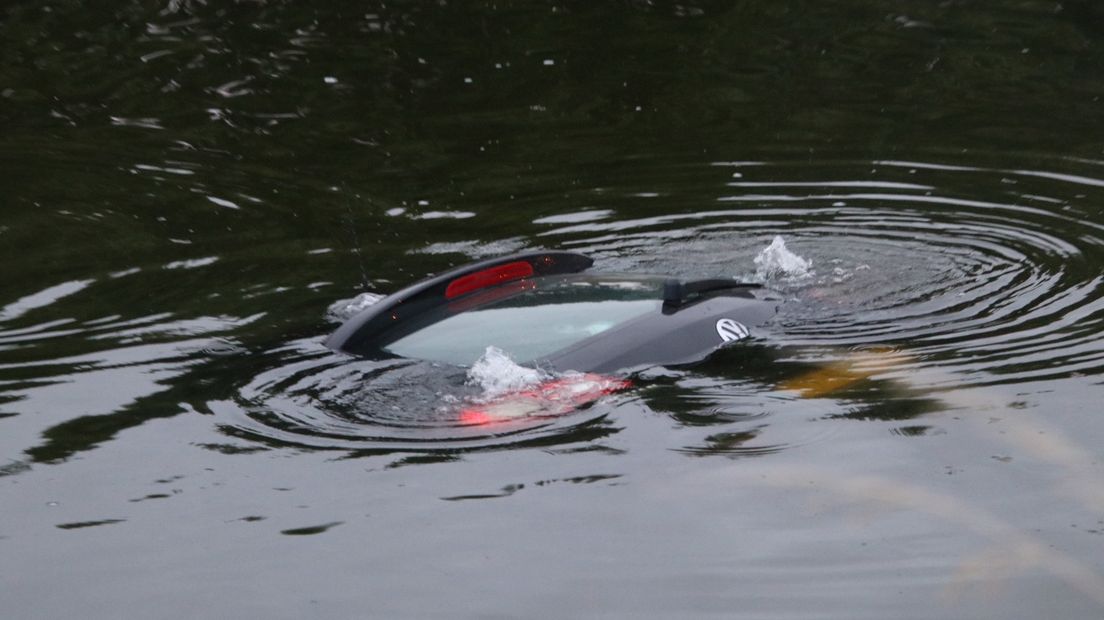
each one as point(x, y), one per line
point(497, 374)
point(345, 309)
point(777, 261)
point(510, 392)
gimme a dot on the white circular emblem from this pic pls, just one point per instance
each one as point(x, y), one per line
point(730, 330)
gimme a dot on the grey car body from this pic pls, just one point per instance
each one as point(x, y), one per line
point(546, 309)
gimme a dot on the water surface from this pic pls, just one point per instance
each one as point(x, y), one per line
point(189, 187)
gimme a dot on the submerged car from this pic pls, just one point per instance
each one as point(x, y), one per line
point(587, 331)
point(547, 310)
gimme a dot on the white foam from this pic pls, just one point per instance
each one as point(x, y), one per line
point(496, 373)
point(345, 309)
point(777, 261)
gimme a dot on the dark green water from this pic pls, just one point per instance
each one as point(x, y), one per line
point(186, 188)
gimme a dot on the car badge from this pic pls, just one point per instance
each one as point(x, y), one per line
point(730, 330)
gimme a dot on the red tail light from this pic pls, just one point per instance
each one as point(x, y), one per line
point(488, 277)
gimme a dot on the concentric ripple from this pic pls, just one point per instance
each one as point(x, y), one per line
point(911, 254)
point(314, 398)
point(970, 276)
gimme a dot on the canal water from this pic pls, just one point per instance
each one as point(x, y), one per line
point(194, 194)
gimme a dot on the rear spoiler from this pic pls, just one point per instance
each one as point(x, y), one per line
point(677, 293)
point(366, 332)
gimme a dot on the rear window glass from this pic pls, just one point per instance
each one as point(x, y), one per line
point(558, 313)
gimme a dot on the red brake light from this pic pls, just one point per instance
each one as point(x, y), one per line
point(488, 277)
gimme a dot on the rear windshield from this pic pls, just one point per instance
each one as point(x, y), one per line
point(556, 314)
